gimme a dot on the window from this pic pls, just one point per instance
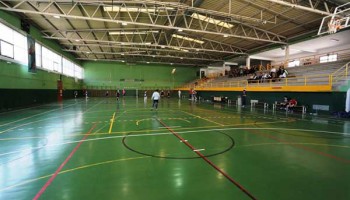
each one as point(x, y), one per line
point(6, 49)
point(78, 72)
point(14, 45)
point(329, 58)
point(20, 47)
point(6, 34)
point(57, 62)
point(294, 63)
point(38, 54)
point(47, 57)
point(68, 68)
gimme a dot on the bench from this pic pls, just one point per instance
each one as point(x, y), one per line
point(301, 109)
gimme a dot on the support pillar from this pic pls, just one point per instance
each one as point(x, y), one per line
point(248, 62)
point(286, 56)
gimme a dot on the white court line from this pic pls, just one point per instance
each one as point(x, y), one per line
point(170, 127)
point(167, 133)
point(199, 150)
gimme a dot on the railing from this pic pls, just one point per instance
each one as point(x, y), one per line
point(340, 75)
point(322, 79)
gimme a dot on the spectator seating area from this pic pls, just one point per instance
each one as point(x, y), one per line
point(318, 74)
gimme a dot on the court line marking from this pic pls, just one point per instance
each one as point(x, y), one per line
point(70, 170)
point(170, 127)
point(197, 149)
point(48, 183)
point(203, 118)
point(112, 122)
point(237, 184)
point(181, 132)
point(10, 129)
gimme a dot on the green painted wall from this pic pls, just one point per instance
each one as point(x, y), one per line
point(105, 75)
point(16, 76)
point(335, 100)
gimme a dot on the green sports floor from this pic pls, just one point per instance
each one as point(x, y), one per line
point(103, 149)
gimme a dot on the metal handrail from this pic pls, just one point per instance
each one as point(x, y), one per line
point(310, 80)
point(341, 74)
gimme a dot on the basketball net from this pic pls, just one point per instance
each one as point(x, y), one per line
point(334, 25)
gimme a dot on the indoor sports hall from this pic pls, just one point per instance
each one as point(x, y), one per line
point(175, 99)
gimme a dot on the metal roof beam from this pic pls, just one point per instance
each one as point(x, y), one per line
point(310, 8)
point(239, 31)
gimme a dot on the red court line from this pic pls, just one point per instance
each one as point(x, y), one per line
point(303, 147)
point(209, 162)
point(42, 190)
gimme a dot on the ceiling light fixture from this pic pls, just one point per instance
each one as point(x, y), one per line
point(130, 32)
point(188, 38)
point(135, 9)
point(124, 23)
point(211, 20)
point(179, 49)
point(56, 16)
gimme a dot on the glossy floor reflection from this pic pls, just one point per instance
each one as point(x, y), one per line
point(184, 150)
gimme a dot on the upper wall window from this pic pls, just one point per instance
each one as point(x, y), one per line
point(6, 33)
point(38, 55)
point(329, 58)
point(294, 63)
point(6, 49)
point(20, 47)
point(14, 45)
point(6, 41)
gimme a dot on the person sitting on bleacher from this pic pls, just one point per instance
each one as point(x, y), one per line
point(284, 74)
point(264, 77)
point(291, 104)
point(273, 72)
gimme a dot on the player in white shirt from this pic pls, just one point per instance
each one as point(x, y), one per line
point(155, 98)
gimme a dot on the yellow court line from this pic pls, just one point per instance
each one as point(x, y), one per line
point(69, 170)
point(112, 122)
point(204, 118)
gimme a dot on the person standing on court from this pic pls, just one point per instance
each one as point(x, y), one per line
point(244, 98)
point(179, 93)
point(118, 95)
point(155, 98)
point(124, 92)
point(145, 96)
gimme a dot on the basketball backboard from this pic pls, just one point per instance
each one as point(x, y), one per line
point(340, 19)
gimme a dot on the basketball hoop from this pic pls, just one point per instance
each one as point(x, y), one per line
point(334, 25)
